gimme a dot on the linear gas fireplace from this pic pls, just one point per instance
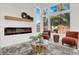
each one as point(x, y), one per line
point(17, 30)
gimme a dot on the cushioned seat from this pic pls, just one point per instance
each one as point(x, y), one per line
point(46, 35)
point(71, 38)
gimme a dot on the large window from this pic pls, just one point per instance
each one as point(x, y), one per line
point(45, 19)
point(59, 7)
point(60, 22)
point(45, 23)
point(38, 18)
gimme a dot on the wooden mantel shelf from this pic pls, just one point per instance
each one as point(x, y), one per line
point(17, 19)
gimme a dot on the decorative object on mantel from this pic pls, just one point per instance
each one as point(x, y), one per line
point(24, 15)
point(17, 19)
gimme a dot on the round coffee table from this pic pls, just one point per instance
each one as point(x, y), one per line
point(39, 48)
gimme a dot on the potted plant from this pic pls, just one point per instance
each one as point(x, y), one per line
point(37, 38)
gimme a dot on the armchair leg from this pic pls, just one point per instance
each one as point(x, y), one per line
point(76, 46)
point(62, 43)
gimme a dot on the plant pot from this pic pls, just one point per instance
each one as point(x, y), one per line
point(56, 38)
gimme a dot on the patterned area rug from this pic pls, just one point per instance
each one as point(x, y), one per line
point(56, 49)
point(25, 49)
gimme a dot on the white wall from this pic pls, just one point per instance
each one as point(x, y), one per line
point(15, 10)
point(74, 17)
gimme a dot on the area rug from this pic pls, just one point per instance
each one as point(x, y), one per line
point(25, 49)
point(56, 49)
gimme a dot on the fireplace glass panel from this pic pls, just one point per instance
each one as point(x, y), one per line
point(13, 31)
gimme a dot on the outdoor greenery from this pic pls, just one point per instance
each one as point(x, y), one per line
point(63, 19)
point(60, 20)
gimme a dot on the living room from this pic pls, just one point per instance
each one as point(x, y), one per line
point(16, 28)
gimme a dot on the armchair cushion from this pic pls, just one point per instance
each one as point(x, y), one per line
point(69, 40)
point(46, 37)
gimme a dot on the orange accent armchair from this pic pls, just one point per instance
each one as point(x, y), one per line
point(71, 38)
